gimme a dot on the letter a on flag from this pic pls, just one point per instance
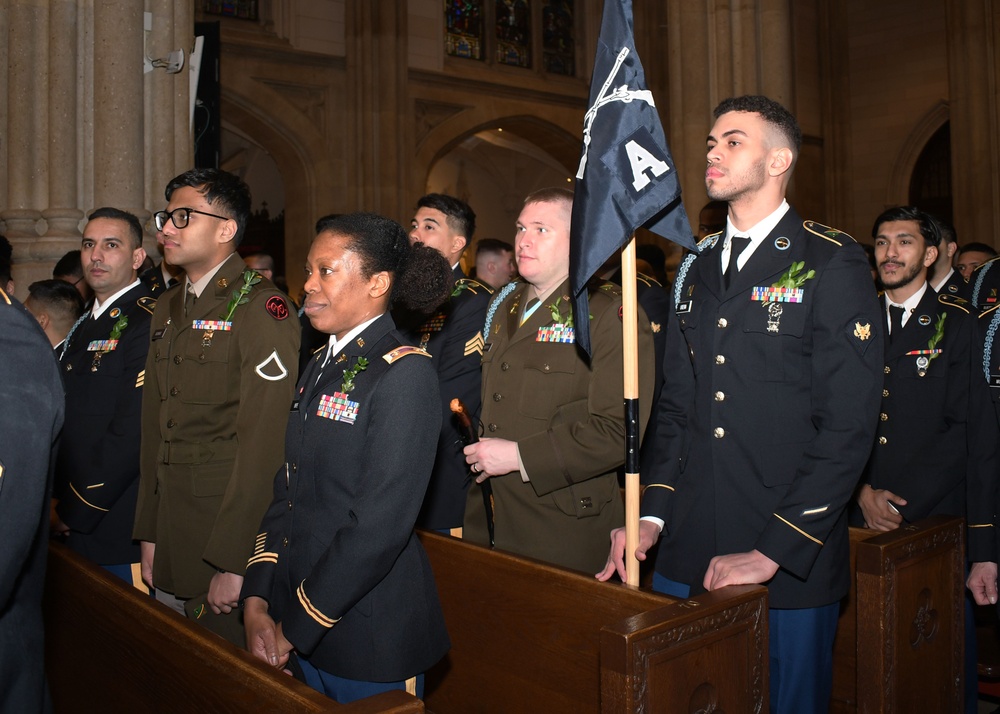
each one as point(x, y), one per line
point(627, 178)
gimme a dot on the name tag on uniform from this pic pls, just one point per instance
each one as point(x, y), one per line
point(772, 294)
point(102, 346)
point(995, 381)
point(556, 333)
point(295, 405)
point(214, 325)
point(684, 307)
point(337, 407)
point(158, 335)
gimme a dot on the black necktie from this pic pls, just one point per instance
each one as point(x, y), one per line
point(737, 244)
point(895, 321)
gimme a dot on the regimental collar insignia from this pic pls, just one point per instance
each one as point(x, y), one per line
point(361, 342)
point(862, 332)
point(115, 312)
point(953, 288)
point(924, 320)
point(782, 243)
point(223, 283)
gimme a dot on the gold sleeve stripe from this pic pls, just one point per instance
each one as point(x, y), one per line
point(795, 527)
point(661, 485)
point(980, 525)
point(263, 558)
point(96, 485)
point(311, 609)
point(85, 500)
point(140, 379)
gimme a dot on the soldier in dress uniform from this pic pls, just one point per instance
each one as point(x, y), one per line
point(32, 415)
point(918, 465)
point(555, 424)
point(337, 573)
point(452, 335)
point(103, 367)
point(773, 374)
point(221, 370)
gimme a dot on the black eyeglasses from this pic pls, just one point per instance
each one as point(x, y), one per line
point(179, 217)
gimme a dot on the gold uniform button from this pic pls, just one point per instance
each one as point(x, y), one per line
point(723, 322)
point(882, 440)
point(720, 359)
point(720, 397)
point(178, 359)
point(546, 368)
point(718, 432)
point(174, 391)
point(284, 542)
point(497, 397)
point(885, 392)
point(492, 427)
point(289, 505)
point(504, 366)
point(883, 416)
point(887, 369)
point(171, 423)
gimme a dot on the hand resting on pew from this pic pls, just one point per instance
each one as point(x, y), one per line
point(982, 583)
point(265, 640)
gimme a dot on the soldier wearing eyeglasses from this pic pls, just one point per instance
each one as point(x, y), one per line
point(221, 370)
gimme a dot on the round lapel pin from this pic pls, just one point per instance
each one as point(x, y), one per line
point(115, 313)
point(924, 320)
point(782, 243)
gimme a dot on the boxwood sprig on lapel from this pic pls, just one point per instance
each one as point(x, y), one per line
point(239, 297)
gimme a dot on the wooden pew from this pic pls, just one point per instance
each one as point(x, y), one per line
point(110, 649)
point(528, 637)
point(900, 638)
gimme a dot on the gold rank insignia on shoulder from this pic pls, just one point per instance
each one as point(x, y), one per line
point(862, 332)
point(403, 351)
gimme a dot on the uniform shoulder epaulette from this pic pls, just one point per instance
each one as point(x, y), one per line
point(403, 351)
point(473, 286)
point(147, 303)
point(707, 242)
point(835, 236)
point(954, 301)
point(4, 297)
point(647, 280)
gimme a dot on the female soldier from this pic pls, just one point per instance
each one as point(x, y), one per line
point(337, 575)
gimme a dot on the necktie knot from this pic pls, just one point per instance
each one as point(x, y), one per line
point(737, 244)
point(895, 321)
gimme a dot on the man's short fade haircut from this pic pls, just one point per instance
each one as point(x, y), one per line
point(116, 214)
point(555, 194)
point(925, 222)
point(69, 265)
point(493, 245)
point(946, 229)
point(978, 248)
point(60, 299)
point(460, 216)
point(228, 194)
point(770, 111)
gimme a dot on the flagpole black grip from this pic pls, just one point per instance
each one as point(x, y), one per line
point(632, 436)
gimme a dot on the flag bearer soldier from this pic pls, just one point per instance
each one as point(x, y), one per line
point(773, 375)
point(220, 374)
point(103, 367)
point(452, 336)
point(555, 424)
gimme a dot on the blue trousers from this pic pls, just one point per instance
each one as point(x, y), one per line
point(801, 653)
point(345, 691)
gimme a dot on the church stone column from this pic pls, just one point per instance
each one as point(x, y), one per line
point(379, 119)
point(118, 162)
point(63, 213)
point(973, 31)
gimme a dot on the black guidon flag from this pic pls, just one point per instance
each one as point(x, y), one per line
point(627, 178)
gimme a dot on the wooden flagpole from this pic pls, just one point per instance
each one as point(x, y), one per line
point(630, 341)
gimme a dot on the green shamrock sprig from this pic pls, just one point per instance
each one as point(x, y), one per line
point(349, 374)
point(250, 278)
point(119, 327)
point(933, 342)
point(793, 278)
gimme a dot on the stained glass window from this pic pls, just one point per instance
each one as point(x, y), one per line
point(557, 37)
point(246, 9)
point(464, 28)
point(513, 28)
